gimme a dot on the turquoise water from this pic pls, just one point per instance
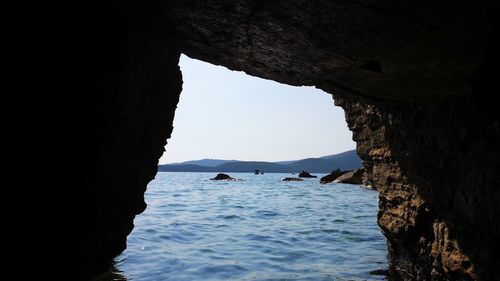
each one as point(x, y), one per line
point(257, 228)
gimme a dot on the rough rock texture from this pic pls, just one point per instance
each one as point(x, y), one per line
point(385, 49)
point(332, 176)
point(352, 177)
point(91, 90)
point(434, 166)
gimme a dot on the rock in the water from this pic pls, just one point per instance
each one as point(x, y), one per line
point(292, 179)
point(221, 176)
point(305, 174)
point(332, 176)
point(352, 177)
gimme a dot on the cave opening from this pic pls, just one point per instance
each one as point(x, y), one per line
point(224, 114)
point(415, 81)
point(257, 226)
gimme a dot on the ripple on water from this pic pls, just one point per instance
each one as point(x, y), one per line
point(266, 214)
point(257, 237)
point(256, 229)
point(223, 271)
point(229, 217)
point(175, 205)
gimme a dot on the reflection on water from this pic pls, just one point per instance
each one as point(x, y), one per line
point(260, 228)
point(113, 274)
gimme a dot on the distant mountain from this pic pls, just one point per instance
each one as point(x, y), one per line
point(251, 166)
point(205, 162)
point(184, 168)
point(348, 160)
point(285, 162)
point(343, 155)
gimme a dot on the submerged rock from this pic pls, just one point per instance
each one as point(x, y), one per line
point(332, 176)
point(305, 174)
point(292, 179)
point(352, 177)
point(221, 176)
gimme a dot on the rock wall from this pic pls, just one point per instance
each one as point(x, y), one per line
point(91, 96)
point(434, 166)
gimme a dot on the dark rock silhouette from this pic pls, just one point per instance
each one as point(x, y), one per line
point(352, 177)
point(222, 176)
point(305, 174)
point(292, 179)
point(332, 176)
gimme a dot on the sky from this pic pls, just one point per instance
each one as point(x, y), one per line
point(224, 114)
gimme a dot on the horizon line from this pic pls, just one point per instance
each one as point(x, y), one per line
point(271, 161)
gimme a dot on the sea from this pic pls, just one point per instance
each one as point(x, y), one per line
point(257, 227)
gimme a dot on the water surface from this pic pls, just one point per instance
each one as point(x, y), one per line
point(257, 228)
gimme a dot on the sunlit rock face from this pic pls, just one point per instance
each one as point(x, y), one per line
point(97, 86)
point(436, 174)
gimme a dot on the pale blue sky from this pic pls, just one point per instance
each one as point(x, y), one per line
point(228, 114)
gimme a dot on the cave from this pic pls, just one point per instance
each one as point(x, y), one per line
point(92, 89)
